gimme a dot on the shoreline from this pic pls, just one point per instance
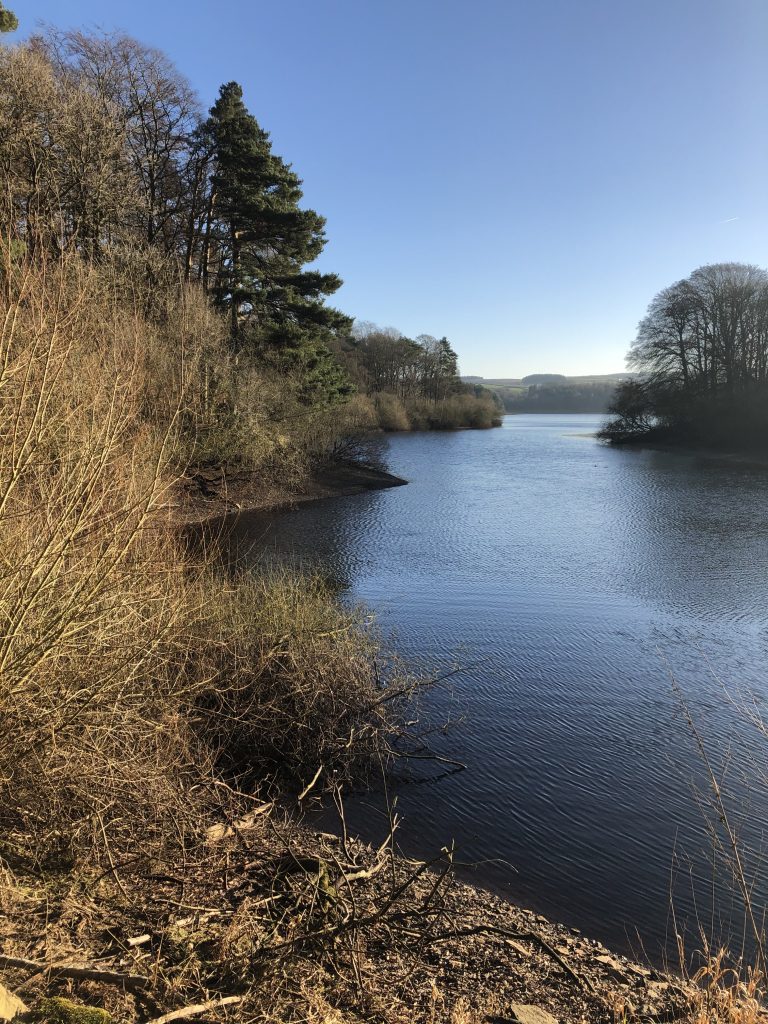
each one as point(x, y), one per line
point(500, 958)
point(209, 495)
point(371, 935)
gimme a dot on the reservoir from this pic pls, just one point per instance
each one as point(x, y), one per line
point(584, 595)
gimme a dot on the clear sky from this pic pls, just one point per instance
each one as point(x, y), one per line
point(519, 175)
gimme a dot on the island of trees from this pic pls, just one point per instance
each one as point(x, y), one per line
point(701, 358)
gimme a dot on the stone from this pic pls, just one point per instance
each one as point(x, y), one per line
point(640, 971)
point(10, 1005)
point(616, 969)
point(526, 1013)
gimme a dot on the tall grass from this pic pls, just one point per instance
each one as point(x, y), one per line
point(729, 984)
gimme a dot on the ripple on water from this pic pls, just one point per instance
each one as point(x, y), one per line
point(572, 582)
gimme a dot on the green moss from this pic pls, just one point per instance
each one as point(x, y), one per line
point(61, 1011)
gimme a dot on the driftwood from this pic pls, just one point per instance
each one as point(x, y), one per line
point(194, 1011)
point(82, 971)
point(217, 833)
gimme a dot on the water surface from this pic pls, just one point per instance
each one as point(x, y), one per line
point(573, 583)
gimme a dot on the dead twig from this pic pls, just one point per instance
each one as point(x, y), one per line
point(194, 1011)
point(309, 786)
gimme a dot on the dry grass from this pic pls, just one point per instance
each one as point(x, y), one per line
point(457, 412)
point(728, 987)
point(724, 994)
point(131, 671)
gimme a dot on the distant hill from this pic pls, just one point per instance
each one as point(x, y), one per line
point(588, 378)
point(554, 392)
point(544, 378)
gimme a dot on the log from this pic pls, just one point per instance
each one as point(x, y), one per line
point(81, 971)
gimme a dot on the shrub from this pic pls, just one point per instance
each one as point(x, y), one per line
point(391, 412)
point(294, 689)
point(93, 597)
point(131, 671)
point(457, 412)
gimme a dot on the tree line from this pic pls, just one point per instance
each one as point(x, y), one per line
point(413, 383)
point(421, 367)
point(701, 354)
point(106, 152)
point(104, 147)
point(593, 397)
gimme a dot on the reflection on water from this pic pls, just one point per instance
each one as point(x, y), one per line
point(573, 583)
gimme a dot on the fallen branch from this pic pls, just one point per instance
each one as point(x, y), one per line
point(354, 876)
point(458, 765)
point(216, 833)
point(81, 971)
point(194, 1011)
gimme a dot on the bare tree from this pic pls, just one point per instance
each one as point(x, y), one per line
point(159, 113)
point(64, 181)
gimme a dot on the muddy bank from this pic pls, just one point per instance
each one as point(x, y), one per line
point(210, 494)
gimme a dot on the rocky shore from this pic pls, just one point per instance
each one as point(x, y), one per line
point(267, 919)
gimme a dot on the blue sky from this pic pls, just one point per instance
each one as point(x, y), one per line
point(519, 175)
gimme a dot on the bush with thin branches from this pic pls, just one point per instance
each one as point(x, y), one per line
point(132, 671)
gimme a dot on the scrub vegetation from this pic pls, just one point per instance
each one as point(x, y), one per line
point(157, 318)
point(133, 671)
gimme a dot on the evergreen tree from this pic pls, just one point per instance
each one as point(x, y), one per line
point(255, 243)
point(8, 20)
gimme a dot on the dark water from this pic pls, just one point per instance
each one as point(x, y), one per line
point(572, 582)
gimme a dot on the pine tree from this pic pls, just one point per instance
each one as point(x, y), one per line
point(255, 243)
point(8, 20)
